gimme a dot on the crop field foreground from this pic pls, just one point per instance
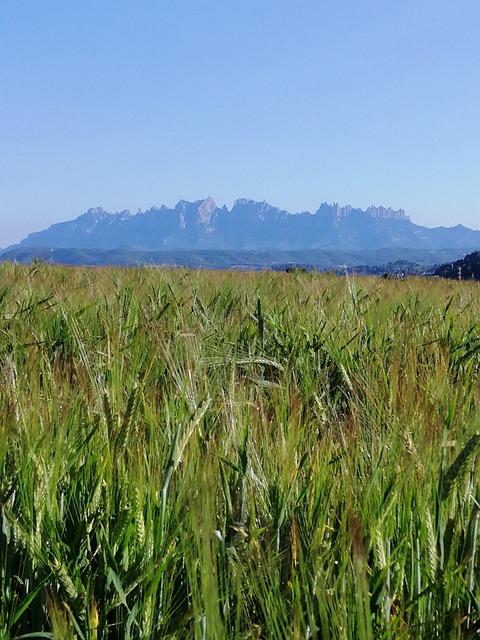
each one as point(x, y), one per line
point(215, 455)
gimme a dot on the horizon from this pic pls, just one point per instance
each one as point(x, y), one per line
point(116, 103)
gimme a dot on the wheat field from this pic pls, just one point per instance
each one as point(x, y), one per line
point(191, 454)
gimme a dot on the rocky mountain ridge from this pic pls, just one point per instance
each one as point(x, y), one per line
point(248, 225)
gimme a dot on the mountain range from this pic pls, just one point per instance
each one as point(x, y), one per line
point(249, 225)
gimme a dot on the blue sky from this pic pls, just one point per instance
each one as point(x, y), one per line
point(130, 104)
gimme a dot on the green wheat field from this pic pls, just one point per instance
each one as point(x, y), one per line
point(220, 455)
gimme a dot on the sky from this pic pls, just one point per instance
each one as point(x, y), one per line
point(128, 104)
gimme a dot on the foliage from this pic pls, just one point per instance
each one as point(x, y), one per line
point(374, 261)
point(466, 269)
point(221, 455)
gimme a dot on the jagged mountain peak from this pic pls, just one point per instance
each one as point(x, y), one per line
point(199, 213)
point(97, 214)
point(255, 208)
point(387, 213)
point(241, 202)
point(345, 211)
point(248, 202)
point(206, 210)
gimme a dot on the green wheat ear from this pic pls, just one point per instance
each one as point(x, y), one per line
point(459, 465)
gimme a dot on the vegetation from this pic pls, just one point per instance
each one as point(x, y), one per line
point(466, 269)
point(375, 261)
point(399, 268)
point(237, 455)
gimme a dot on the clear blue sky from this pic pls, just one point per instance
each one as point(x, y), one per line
point(133, 103)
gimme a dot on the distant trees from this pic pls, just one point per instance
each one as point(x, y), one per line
point(296, 270)
point(466, 269)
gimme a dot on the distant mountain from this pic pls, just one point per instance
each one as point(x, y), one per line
point(249, 225)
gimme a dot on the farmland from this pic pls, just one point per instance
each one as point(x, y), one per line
point(188, 454)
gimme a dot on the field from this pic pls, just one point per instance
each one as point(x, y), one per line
point(217, 455)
